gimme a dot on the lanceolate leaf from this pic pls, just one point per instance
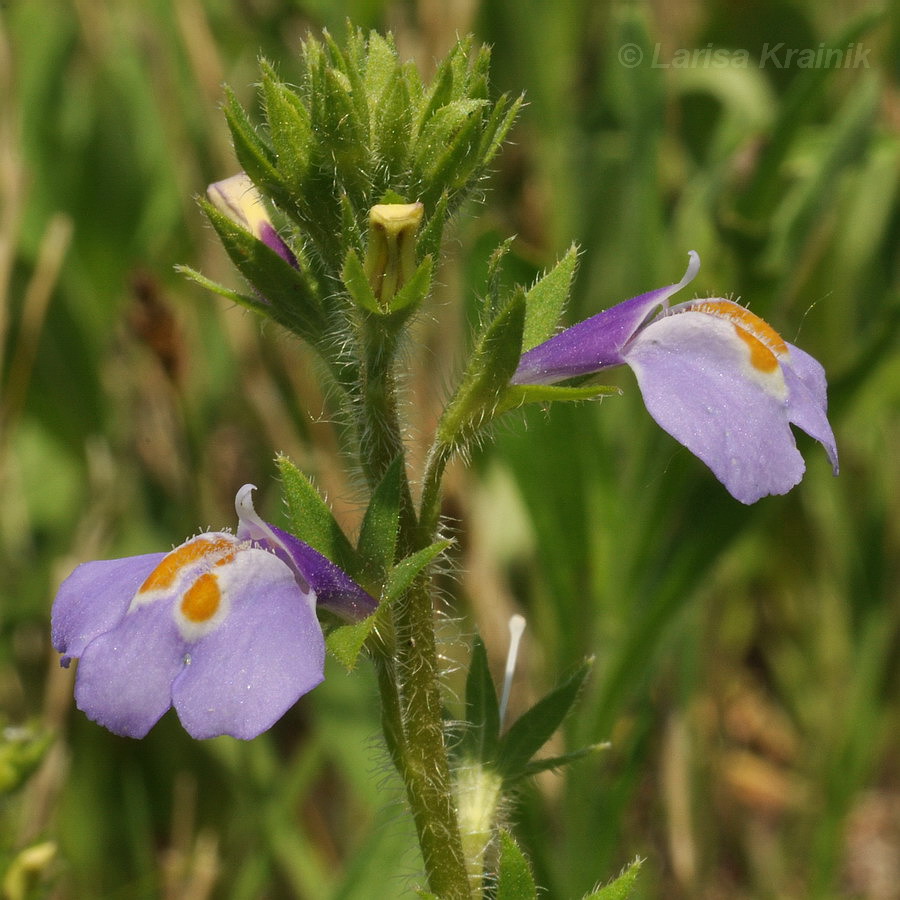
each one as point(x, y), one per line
point(378, 533)
point(514, 878)
point(405, 572)
point(311, 519)
point(619, 889)
point(533, 729)
point(545, 302)
point(486, 378)
point(346, 642)
point(482, 709)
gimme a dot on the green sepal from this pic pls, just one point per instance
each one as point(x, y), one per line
point(432, 230)
point(255, 156)
point(497, 127)
point(534, 728)
point(485, 381)
point(293, 303)
point(345, 643)
point(621, 888)
point(545, 302)
point(382, 67)
point(482, 727)
point(519, 394)
point(378, 532)
point(345, 135)
point(405, 572)
point(493, 293)
point(310, 518)
point(289, 128)
point(448, 154)
point(235, 296)
point(356, 281)
point(392, 126)
point(404, 302)
point(351, 66)
point(414, 292)
point(514, 878)
point(440, 91)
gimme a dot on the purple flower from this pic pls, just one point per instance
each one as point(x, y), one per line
point(223, 628)
point(238, 198)
point(716, 377)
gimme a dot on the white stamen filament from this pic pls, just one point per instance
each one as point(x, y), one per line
point(516, 628)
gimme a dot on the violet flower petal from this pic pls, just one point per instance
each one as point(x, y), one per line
point(269, 650)
point(124, 679)
point(595, 343)
point(701, 385)
point(335, 590)
point(94, 598)
point(808, 410)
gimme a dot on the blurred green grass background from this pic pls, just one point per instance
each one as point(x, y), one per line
point(746, 659)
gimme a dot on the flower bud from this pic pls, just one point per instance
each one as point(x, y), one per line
point(391, 254)
point(238, 198)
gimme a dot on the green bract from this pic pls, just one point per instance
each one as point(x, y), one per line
point(359, 129)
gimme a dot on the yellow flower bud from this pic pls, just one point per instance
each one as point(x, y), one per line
point(391, 254)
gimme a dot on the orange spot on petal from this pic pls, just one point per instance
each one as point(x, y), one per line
point(201, 599)
point(761, 357)
point(764, 342)
point(164, 575)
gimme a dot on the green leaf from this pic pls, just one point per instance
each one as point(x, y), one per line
point(346, 642)
point(378, 533)
point(242, 299)
point(485, 381)
point(443, 131)
point(533, 729)
point(514, 878)
point(405, 572)
point(545, 302)
point(311, 519)
point(621, 888)
point(448, 156)
point(482, 709)
point(293, 303)
point(520, 394)
point(553, 763)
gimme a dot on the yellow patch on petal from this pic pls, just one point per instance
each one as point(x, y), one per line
point(201, 599)
point(763, 341)
point(165, 574)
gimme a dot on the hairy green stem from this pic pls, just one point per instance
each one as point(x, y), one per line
point(412, 710)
